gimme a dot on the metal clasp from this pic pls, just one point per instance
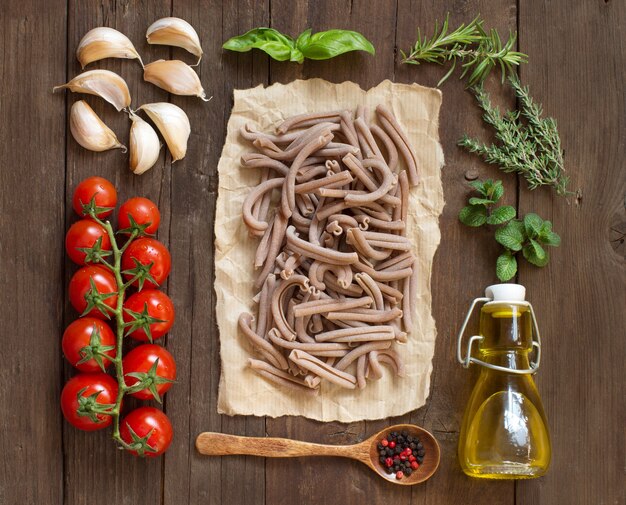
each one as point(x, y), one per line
point(465, 361)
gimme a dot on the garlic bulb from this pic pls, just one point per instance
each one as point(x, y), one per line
point(173, 124)
point(103, 42)
point(89, 130)
point(103, 83)
point(175, 32)
point(144, 145)
point(174, 76)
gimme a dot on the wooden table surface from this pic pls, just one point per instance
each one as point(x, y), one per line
point(577, 55)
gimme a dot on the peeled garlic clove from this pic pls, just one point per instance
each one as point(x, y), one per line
point(103, 42)
point(173, 124)
point(103, 83)
point(174, 76)
point(144, 145)
point(90, 131)
point(175, 32)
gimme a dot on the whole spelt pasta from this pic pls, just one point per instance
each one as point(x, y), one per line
point(336, 282)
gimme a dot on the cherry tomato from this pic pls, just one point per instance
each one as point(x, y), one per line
point(85, 233)
point(79, 343)
point(141, 421)
point(158, 306)
point(145, 251)
point(104, 192)
point(80, 286)
point(143, 211)
point(91, 383)
point(141, 359)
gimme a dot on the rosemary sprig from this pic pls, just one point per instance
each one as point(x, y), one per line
point(531, 147)
point(478, 50)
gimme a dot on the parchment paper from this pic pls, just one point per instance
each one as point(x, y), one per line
point(241, 391)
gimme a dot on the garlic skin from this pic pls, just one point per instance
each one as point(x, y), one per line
point(173, 124)
point(175, 32)
point(104, 42)
point(103, 83)
point(90, 131)
point(144, 145)
point(174, 76)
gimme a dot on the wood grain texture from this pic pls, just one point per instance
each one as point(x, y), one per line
point(577, 61)
point(31, 250)
point(580, 299)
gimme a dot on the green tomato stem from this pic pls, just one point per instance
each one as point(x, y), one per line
point(119, 320)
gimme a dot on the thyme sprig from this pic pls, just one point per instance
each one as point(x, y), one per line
point(479, 50)
point(527, 143)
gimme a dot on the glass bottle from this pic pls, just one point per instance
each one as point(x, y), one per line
point(504, 434)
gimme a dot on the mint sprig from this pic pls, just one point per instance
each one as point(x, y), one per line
point(529, 235)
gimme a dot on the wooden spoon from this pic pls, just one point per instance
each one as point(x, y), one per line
point(220, 444)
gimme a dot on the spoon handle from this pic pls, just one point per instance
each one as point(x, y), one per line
point(220, 444)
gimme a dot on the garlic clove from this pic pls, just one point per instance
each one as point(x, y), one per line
point(144, 145)
point(175, 32)
point(103, 42)
point(174, 76)
point(173, 124)
point(90, 131)
point(103, 83)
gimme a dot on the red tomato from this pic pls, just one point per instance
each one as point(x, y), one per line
point(145, 251)
point(142, 421)
point(98, 187)
point(77, 412)
point(141, 359)
point(143, 212)
point(80, 286)
point(85, 233)
point(158, 306)
point(88, 339)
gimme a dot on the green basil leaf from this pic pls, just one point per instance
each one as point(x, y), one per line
point(510, 236)
point(331, 43)
point(506, 266)
point(501, 215)
point(473, 215)
point(303, 38)
point(278, 46)
point(533, 224)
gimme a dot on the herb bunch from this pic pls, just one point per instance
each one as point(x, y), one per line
point(529, 234)
point(479, 50)
point(528, 144)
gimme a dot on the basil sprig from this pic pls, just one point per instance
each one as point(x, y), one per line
point(315, 46)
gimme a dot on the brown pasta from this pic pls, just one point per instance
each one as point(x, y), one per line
point(336, 282)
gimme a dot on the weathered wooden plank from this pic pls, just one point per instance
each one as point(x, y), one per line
point(189, 477)
point(577, 60)
point(32, 140)
point(465, 261)
point(331, 480)
point(95, 471)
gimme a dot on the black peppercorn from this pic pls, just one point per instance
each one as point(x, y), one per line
point(420, 445)
point(408, 471)
point(421, 452)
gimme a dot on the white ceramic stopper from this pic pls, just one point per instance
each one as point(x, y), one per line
point(506, 292)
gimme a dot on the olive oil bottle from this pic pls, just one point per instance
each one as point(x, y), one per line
point(504, 434)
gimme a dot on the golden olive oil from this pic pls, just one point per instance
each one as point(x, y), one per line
point(504, 434)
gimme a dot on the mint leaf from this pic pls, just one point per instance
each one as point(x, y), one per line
point(551, 239)
point(497, 192)
point(501, 215)
point(535, 254)
point(473, 215)
point(510, 236)
point(479, 186)
point(480, 201)
point(506, 266)
point(533, 224)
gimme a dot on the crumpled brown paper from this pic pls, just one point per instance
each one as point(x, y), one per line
point(241, 391)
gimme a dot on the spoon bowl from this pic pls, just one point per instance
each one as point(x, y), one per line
point(220, 444)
